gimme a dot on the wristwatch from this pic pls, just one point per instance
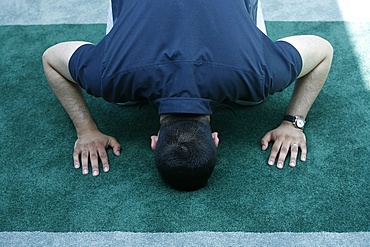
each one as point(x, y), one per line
point(297, 121)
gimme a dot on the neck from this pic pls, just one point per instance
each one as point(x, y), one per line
point(194, 116)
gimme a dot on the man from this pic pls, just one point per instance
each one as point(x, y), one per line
point(185, 58)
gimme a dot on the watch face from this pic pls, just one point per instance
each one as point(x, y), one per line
point(300, 123)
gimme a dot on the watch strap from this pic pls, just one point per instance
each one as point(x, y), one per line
point(297, 121)
point(290, 118)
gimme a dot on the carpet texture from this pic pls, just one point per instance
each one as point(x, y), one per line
point(41, 191)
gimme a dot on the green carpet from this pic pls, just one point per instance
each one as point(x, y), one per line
point(41, 191)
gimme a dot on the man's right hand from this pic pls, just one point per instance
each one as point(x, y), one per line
point(91, 144)
point(90, 147)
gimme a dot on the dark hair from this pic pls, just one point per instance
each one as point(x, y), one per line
point(185, 154)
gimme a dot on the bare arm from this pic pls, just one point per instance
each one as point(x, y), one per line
point(317, 56)
point(91, 143)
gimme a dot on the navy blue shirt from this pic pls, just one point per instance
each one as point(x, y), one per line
point(184, 55)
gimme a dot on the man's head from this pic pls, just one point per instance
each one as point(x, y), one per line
point(185, 151)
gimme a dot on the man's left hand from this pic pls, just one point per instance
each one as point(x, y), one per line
point(286, 138)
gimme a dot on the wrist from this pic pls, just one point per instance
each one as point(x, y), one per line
point(296, 121)
point(87, 129)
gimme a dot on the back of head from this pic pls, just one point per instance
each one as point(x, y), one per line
point(185, 153)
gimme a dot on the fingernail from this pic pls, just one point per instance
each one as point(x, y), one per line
point(292, 164)
point(95, 173)
point(279, 165)
point(106, 169)
point(271, 162)
point(85, 171)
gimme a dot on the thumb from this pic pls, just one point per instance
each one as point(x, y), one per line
point(265, 141)
point(115, 146)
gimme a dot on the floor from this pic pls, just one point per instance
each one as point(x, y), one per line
point(23, 12)
point(36, 12)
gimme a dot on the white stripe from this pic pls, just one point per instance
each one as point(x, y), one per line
point(213, 239)
point(24, 12)
point(260, 19)
point(359, 35)
point(109, 18)
point(316, 10)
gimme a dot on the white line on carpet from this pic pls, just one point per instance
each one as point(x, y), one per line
point(187, 239)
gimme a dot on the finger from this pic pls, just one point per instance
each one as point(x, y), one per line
point(115, 146)
point(293, 154)
point(85, 162)
point(104, 159)
point(282, 155)
point(94, 160)
point(303, 152)
point(265, 141)
point(274, 152)
point(76, 159)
